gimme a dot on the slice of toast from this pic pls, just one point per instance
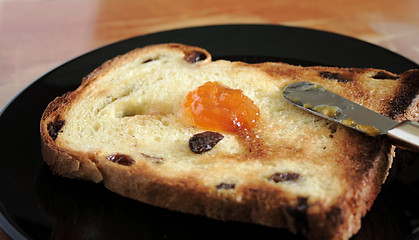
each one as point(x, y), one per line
point(126, 126)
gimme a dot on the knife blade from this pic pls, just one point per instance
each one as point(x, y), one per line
point(324, 103)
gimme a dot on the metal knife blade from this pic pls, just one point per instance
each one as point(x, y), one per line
point(322, 102)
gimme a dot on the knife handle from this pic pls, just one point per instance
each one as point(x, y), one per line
point(405, 135)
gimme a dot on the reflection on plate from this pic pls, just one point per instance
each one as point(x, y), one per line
point(35, 204)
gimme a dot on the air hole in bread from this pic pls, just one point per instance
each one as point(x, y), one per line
point(157, 138)
point(164, 120)
point(284, 177)
point(150, 59)
point(225, 186)
point(132, 110)
point(385, 75)
point(334, 76)
point(146, 61)
point(96, 126)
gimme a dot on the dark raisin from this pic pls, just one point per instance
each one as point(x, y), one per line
point(226, 186)
point(156, 160)
point(385, 75)
point(283, 177)
point(203, 142)
point(195, 56)
point(121, 159)
point(334, 76)
point(54, 128)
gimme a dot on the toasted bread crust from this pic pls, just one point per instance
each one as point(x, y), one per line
point(405, 104)
point(362, 168)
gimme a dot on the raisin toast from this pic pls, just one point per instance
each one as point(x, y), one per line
point(126, 126)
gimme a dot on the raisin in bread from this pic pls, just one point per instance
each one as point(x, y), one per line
point(125, 126)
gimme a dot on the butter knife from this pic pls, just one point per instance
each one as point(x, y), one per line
point(324, 103)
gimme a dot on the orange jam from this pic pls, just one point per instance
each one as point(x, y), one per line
point(216, 107)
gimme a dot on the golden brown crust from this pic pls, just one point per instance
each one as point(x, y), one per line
point(406, 99)
point(61, 161)
point(361, 167)
point(262, 205)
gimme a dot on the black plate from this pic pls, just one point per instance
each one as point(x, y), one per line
point(37, 205)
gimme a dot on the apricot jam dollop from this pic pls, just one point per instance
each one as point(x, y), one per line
point(216, 107)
